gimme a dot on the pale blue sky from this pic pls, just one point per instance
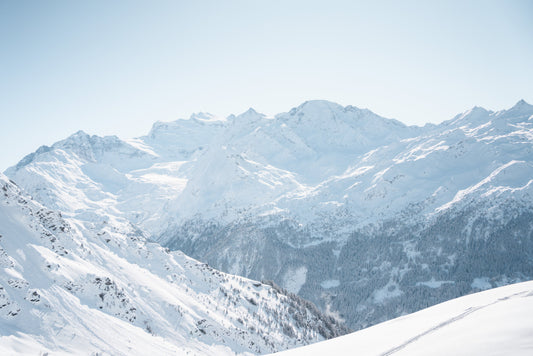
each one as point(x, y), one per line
point(115, 67)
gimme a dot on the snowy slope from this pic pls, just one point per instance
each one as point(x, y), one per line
point(73, 287)
point(495, 322)
point(307, 197)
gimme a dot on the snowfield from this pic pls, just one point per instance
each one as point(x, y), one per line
point(494, 322)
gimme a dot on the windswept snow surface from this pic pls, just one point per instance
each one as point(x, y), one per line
point(388, 210)
point(495, 322)
point(74, 287)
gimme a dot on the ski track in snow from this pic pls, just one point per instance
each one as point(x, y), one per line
point(493, 322)
point(448, 322)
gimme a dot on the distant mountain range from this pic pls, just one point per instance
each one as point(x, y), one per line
point(364, 216)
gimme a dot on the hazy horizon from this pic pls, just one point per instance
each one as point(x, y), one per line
point(116, 68)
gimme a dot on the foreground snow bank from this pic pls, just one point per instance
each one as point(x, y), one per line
point(493, 322)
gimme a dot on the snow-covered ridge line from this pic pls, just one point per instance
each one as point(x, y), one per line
point(495, 322)
point(74, 287)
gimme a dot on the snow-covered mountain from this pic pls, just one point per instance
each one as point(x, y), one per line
point(495, 322)
point(78, 287)
point(364, 216)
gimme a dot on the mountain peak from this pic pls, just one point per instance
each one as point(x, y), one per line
point(81, 137)
point(204, 117)
point(250, 111)
point(81, 133)
point(519, 112)
point(475, 116)
point(248, 115)
point(316, 106)
point(521, 104)
point(78, 134)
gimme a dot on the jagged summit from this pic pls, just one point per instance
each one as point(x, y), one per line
point(475, 115)
point(80, 133)
point(521, 103)
point(250, 111)
point(248, 116)
point(479, 115)
point(521, 107)
point(82, 136)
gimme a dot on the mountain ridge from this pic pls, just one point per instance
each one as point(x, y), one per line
point(69, 286)
point(288, 196)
